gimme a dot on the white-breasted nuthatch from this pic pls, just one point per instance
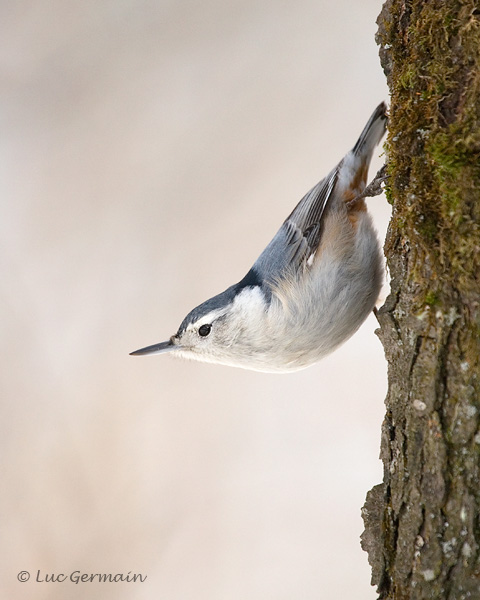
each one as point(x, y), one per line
point(309, 290)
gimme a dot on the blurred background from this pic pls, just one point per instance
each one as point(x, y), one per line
point(149, 151)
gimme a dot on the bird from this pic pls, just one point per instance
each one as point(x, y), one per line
point(309, 290)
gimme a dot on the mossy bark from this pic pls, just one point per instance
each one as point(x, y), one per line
point(422, 524)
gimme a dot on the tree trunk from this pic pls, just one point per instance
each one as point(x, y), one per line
point(422, 524)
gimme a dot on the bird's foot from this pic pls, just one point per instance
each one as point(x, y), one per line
point(374, 188)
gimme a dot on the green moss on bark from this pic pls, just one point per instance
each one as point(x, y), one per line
point(429, 545)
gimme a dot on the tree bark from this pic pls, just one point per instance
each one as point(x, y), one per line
point(422, 524)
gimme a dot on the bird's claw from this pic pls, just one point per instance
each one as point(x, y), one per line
point(374, 188)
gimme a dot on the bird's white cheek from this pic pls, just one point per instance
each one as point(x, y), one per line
point(189, 354)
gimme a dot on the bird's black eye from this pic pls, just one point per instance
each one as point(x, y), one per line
point(204, 330)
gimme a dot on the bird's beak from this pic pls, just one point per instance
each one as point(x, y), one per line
point(156, 348)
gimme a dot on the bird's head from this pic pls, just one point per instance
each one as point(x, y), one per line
point(223, 330)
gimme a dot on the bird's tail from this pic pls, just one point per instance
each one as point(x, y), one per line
point(372, 133)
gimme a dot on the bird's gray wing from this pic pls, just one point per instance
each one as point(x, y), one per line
point(299, 236)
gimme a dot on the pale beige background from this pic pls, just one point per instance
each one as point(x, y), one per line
point(149, 150)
